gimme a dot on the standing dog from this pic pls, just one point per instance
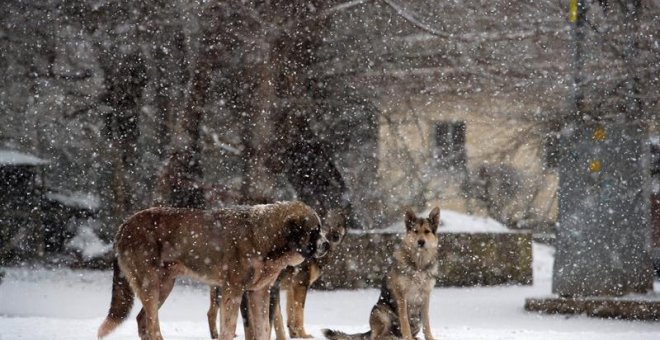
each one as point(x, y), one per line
point(239, 249)
point(296, 281)
point(403, 305)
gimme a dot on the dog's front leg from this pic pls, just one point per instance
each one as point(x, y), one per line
point(212, 314)
point(231, 300)
point(267, 271)
point(258, 301)
point(299, 295)
point(402, 310)
point(426, 321)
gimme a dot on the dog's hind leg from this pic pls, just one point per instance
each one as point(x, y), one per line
point(278, 321)
point(149, 294)
point(381, 323)
point(167, 277)
point(144, 279)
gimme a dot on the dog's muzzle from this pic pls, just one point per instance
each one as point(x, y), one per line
point(322, 246)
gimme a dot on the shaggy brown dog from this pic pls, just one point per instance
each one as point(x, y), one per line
point(296, 281)
point(403, 306)
point(239, 249)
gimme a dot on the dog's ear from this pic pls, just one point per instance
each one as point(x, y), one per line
point(294, 231)
point(434, 218)
point(410, 219)
point(301, 237)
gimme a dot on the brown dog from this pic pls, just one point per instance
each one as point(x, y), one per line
point(403, 306)
point(296, 281)
point(239, 249)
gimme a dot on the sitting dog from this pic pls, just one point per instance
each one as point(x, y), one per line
point(239, 249)
point(403, 306)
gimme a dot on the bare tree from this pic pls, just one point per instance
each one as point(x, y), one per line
point(220, 81)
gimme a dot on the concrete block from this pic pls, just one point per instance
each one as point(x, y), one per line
point(466, 259)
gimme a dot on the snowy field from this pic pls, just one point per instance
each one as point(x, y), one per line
point(66, 304)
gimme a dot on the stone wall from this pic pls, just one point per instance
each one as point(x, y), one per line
point(466, 259)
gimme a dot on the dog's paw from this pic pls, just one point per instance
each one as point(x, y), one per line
point(300, 335)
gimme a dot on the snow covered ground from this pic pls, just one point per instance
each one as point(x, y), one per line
point(68, 304)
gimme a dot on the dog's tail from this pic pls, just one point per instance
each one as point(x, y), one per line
point(121, 303)
point(337, 335)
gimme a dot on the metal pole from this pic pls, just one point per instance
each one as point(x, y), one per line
point(576, 16)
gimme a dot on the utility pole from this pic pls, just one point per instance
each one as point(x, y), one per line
point(577, 12)
point(603, 228)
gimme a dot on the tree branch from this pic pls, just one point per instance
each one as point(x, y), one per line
point(411, 18)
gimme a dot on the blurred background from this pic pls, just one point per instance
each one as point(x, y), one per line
point(111, 106)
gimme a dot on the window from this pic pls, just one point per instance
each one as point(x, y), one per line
point(450, 144)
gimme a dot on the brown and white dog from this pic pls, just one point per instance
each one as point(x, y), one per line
point(403, 306)
point(295, 281)
point(239, 249)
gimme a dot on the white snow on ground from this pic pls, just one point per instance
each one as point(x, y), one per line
point(70, 304)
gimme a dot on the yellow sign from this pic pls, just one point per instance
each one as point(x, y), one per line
point(595, 166)
point(572, 11)
point(599, 134)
